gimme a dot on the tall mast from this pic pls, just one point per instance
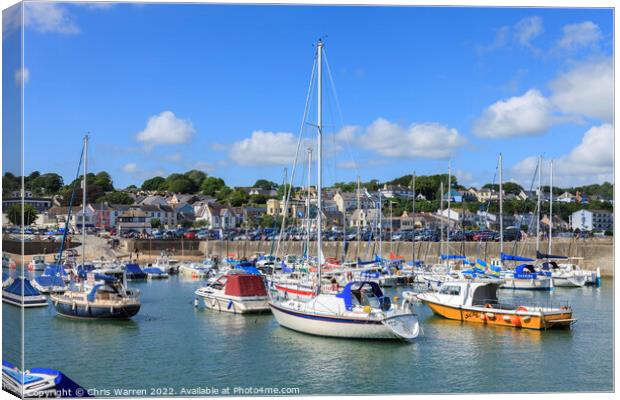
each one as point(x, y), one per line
point(380, 226)
point(501, 209)
point(449, 216)
point(358, 217)
point(413, 221)
point(538, 206)
point(308, 224)
point(441, 218)
point(319, 123)
point(550, 205)
point(84, 200)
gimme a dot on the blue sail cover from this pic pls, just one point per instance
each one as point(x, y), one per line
point(154, 270)
point(452, 257)
point(250, 269)
point(133, 268)
point(541, 256)
point(16, 288)
point(5, 276)
point(83, 270)
point(360, 262)
point(46, 280)
point(286, 269)
point(91, 296)
point(346, 295)
point(510, 257)
point(54, 270)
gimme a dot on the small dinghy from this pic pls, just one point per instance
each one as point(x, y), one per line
point(39, 382)
point(21, 293)
point(236, 292)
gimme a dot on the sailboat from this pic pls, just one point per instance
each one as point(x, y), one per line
point(360, 310)
point(524, 276)
point(100, 295)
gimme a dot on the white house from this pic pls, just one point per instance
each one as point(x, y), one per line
point(592, 220)
point(217, 216)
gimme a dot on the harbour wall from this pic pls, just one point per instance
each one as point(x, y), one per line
point(596, 252)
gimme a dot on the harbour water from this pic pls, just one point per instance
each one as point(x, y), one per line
point(171, 346)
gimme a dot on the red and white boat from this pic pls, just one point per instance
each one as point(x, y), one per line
point(235, 292)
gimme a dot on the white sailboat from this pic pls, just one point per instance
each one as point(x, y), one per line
point(360, 310)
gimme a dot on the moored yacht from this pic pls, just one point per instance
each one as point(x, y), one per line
point(102, 296)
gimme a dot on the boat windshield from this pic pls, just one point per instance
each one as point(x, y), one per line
point(451, 290)
point(365, 298)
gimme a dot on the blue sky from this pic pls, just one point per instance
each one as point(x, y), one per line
point(167, 88)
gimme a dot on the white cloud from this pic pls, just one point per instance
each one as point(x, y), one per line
point(265, 148)
point(593, 158)
point(527, 30)
point(586, 90)
point(529, 114)
point(20, 74)
point(423, 140)
point(166, 128)
point(579, 35)
point(591, 161)
point(347, 164)
point(347, 133)
point(49, 17)
point(501, 39)
point(130, 168)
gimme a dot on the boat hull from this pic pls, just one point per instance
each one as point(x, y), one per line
point(514, 319)
point(236, 306)
point(571, 281)
point(331, 326)
point(24, 301)
point(527, 284)
point(92, 311)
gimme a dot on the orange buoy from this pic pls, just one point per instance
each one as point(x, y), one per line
point(516, 321)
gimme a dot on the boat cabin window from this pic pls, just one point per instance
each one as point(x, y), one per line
point(365, 298)
point(451, 290)
point(220, 283)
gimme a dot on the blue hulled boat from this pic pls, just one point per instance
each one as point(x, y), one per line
point(21, 293)
point(39, 382)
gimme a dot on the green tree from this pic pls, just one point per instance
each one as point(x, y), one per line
point(115, 197)
point(199, 223)
point(10, 183)
point(196, 176)
point(155, 183)
point(178, 183)
point(211, 185)
point(508, 187)
point(238, 198)
point(155, 223)
point(222, 194)
point(103, 180)
point(259, 199)
point(14, 214)
point(268, 221)
point(265, 184)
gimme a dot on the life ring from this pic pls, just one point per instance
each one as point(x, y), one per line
point(521, 308)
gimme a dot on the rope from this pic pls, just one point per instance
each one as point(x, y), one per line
point(301, 130)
